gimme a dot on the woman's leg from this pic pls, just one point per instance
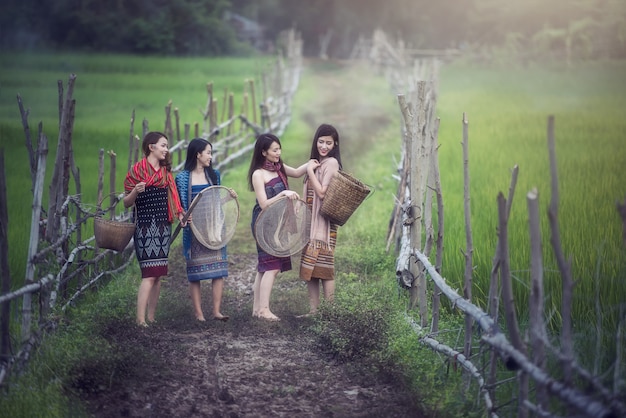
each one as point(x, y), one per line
point(329, 289)
point(313, 286)
point(196, 299)
point(256, 290)
point(145, 289)
point(265, 291)
point(153, 299)
point(218, 290)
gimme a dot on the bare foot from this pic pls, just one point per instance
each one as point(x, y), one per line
point(200, 319)
point(142, 324)
point(268, 316)
point(221, 317)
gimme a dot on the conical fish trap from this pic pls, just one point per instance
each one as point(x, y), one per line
point(282, 228)
point(214, 217)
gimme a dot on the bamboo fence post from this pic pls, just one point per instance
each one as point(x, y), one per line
point(538, 332)
point(207, 111)
point(42, 153)
point(5, 275)
point(112, 193)
point(145, 128)
point(57, 193)
point(231, 112)
point(225, 100)
point(196, 130)
point(509, 302)
point(440, 225)
point(32, 157)
point(179, 152)
point(469, 245)
point(131, 137)
point(253, 99)
point(564, 266)
point(168, 123)
point(177, 120)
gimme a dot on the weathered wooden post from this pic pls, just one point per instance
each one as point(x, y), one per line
point(42, 153)
point(5, 276)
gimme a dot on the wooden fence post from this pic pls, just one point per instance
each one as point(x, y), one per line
point(42, 153)
point(469, 246)
point(5, 276)
point(131, 138)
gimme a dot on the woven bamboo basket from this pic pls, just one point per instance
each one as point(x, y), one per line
point(112, 234)
point(344, 195)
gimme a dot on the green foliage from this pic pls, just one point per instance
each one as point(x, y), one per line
point(77, 356)
point(180, 27)
point(355, 326)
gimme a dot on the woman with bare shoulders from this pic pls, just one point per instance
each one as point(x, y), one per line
point(267, 177)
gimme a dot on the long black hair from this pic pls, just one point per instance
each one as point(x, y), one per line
point(196, 146)
point(263, 143)
point(326, 130)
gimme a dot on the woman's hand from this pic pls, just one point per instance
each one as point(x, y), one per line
point(140, 187)
point(181, 217)
point(233, 193)
point(312, 166)
point(290, 194)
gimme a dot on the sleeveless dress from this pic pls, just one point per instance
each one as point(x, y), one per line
point(152, 232)
point(267, 262)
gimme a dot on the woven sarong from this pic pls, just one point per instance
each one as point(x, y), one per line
point(318, 258)
point(153, 231)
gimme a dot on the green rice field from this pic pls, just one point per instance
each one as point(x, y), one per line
point(507, 110)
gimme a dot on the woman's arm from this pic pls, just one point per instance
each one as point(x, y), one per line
point(296, 172)
point(130, 197)
point(258, 183)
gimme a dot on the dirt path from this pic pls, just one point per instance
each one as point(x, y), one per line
point(247, 367)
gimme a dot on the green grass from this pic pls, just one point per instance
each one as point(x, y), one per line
point(507, 113)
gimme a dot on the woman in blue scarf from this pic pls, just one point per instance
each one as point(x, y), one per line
point(202, 263)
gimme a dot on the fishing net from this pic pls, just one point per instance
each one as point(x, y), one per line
point(282, 228)
point(214, 215)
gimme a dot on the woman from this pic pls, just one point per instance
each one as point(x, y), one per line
point(202, 262)
point(149, 186)
point(317, 264)
point(267, 177)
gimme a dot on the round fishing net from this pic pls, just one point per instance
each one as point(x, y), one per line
point(214, 215)
point(282, 228)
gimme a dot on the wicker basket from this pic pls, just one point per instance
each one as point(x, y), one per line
point(112, 234)
point(344, 194)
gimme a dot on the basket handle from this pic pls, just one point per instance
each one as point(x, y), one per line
point(115, 199)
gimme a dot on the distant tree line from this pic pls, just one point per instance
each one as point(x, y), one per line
point(584, 29)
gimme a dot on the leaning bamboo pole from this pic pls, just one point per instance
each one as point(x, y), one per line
point(469, 246)
point(42, 153)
